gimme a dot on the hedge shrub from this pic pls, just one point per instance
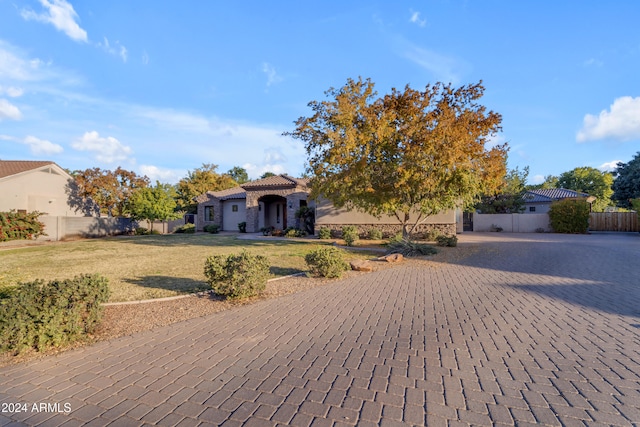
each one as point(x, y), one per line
point(324, 233)
point(20, 226)
point(443, 240)
point(186, 229)
point(212, 228)
point(374, 234)
point(350, 234)
point(39, 315)
point(569, 216)
point(237, 275)
point(327, 261)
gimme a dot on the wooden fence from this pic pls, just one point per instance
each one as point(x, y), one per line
point(613, 221)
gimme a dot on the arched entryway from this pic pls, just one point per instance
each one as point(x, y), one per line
point(272, 212)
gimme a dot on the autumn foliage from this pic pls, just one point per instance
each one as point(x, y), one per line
point(409, 154)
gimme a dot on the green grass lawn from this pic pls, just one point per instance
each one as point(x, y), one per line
point(143, 267)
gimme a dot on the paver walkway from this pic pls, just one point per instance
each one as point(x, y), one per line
point(531, 329)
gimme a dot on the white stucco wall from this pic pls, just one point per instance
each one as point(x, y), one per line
point(231, 219)
point(512, 223)
point(37, 190)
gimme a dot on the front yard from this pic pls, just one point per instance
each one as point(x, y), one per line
point(144, 267)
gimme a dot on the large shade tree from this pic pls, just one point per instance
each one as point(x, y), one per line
point(199, 181)
point(409, 154)
point(110, 190)
point(509, 199)
point(591, 181)
point(626, 185)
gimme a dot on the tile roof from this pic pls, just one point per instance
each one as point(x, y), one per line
point(14, 167)
point(228, 194)
point(550, 195)
point(277, 181)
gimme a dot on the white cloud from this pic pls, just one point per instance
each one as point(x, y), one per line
point(609, 166)
point(444, 68)
point(117, 50)
point(272, 76)
point(107, 150)
point(11, 91)
point(416, 19)
point(9, 111)
point(592, 62)
point(61, 15)
point(39, 146)
point(621, 122)
point(255, 171)
point(170, 176)
point(145, 58)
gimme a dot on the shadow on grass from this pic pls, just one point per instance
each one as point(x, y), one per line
point(178, 284)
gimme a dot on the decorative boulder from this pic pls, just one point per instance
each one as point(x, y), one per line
point(392, 258)
point(361, 265)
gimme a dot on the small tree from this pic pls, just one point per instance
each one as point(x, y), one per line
point(198, 182)
point(410, 154)
point(110, 190)
point(238, 174)
point(591, 181)
point(510, 198)
point(154, 203)
point(626, 185)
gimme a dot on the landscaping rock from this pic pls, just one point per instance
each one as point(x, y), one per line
point(361, 265)
point(392, 258)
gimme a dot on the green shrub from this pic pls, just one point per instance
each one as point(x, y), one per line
point(350, 234)
point(294, 232)
point(187, 229)
point(374, 234)
point(409, 248)
point(327, 261)
point(324, 233)
point(242, 227)
point(142, 231)
point(20, 226)
point(38, 315)
point(432, 235)
point(267, 231)
point(569, 216)
point(237, 276)
point(212, 228)
point(443, 240)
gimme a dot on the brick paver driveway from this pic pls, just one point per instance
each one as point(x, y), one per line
point(530, 329)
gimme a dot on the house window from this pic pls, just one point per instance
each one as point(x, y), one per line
point(208, 213)
point(532, 208)
point(234, 208)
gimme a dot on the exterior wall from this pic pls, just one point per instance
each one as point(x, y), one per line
point(231, 219)
point(37, 190)
point(330, 217)
point(541, 208)
point(65, 227)
point(255, 216)
point(201, 221)
point(512, 223)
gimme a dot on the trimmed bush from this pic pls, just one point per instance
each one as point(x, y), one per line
point(327, 261)
point(350, 234)
point(237, 275)
point(569, 216)
point(443, 240)
point(267, 231)
point(294, 232)
point(20, 226)
point(38, 315)
point(187, 229)
point(212, 228)
point(142, 231)
point(432, 235)
point(242, 227)
point(374, 234)
point(409, 248)
point(324, 233)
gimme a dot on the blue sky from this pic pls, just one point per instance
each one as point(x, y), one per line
point(162, 87)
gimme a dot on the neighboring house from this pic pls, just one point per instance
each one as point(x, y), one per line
point(27, 186)
point(273, 202)
point(539, 201)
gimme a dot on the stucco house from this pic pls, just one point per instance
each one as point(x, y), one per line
point(273, 202)
point(539, 201)
point(41, 186)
